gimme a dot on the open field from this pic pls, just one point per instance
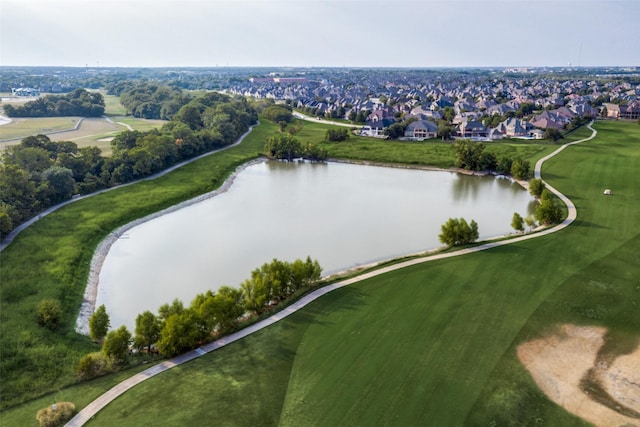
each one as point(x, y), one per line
point(479, 290)
point(23, 127)
point(112, 106)
point(435, 341)
point(94, 131)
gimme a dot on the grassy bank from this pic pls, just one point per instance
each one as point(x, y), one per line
point(50, 259)
point(434, 341)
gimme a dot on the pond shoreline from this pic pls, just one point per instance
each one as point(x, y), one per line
point(91, 291)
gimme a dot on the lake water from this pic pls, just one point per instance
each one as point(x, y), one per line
point(343, 215)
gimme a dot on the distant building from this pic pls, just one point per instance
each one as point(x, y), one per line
point(25, 91)
point(630, 111)
point(420, 130)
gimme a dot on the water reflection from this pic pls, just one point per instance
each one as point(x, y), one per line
point(340, 214)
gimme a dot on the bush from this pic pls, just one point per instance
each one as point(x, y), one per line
point(50, 417)
point(49, 313)
point(93, 365)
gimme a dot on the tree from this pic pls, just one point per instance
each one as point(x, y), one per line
point(49, 313)
point(116, 344)
point(229, 306)
point(167, 310)
point(549, 210)
point(530, 221)
point(445, 130)
point(469, 154)
point(278, 113)
point(520, 169)
point(147, 330)
point(517, 222)
point(181, 332)
point(456, 231)
point(536, 187)
point(283, 146)
point(552, 133)
point(60, 184)
point(449, 114)
point(99, 324)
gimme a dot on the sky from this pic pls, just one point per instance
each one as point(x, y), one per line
point(319, 33)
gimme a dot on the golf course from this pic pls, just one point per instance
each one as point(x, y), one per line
point(439, 343)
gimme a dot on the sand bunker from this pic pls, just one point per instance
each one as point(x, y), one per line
point(562, 363)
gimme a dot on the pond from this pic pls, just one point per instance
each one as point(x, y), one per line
point(343, 215)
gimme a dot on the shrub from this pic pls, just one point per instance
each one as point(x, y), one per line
point(93, 365)
point(56, 415)
point(49, 313)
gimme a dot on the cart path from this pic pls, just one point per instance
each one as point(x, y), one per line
point(94, 407)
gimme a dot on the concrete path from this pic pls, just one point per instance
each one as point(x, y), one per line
point(90, 410)
point(9, 237)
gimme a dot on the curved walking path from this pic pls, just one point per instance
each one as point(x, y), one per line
point(90, 410)
point(9, 237)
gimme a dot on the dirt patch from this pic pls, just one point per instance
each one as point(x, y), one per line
point(562, 363)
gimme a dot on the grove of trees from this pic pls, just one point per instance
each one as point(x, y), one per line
point(472, 156)
point(79, 102)
point(177, 329)
point(39, 173)
point(284, 146)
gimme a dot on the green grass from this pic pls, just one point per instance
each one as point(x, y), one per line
point(428, 342)
point(428, 153)
point(112, 106)
point(46, 262)
point(139, 124)
point(436, 341)
point(23, 127)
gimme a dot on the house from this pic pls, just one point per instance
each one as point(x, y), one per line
point(375, 128)
point(25, 91)
point(420, 130)
point(473, 130)
point(630, 111)
point(513, 127)
point(536, 134)
point(548, 119)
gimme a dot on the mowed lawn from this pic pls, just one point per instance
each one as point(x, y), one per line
point(433, 344)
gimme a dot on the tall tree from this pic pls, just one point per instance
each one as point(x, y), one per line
point(147, 330)
point(99, 324)
point(116, 344)
point(517, 222)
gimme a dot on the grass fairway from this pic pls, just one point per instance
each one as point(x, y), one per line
point(23, 127)
point(433, 344)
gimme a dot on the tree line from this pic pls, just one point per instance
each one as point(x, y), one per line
point(39, 173)
point(79, 102)
point(472, 156)
point(149, 100)
point(176, 329)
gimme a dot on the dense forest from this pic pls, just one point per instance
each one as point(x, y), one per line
point(76, 103)
point(149, 100)
point(39, 173)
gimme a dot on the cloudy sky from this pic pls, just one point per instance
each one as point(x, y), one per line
point(356, 33)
